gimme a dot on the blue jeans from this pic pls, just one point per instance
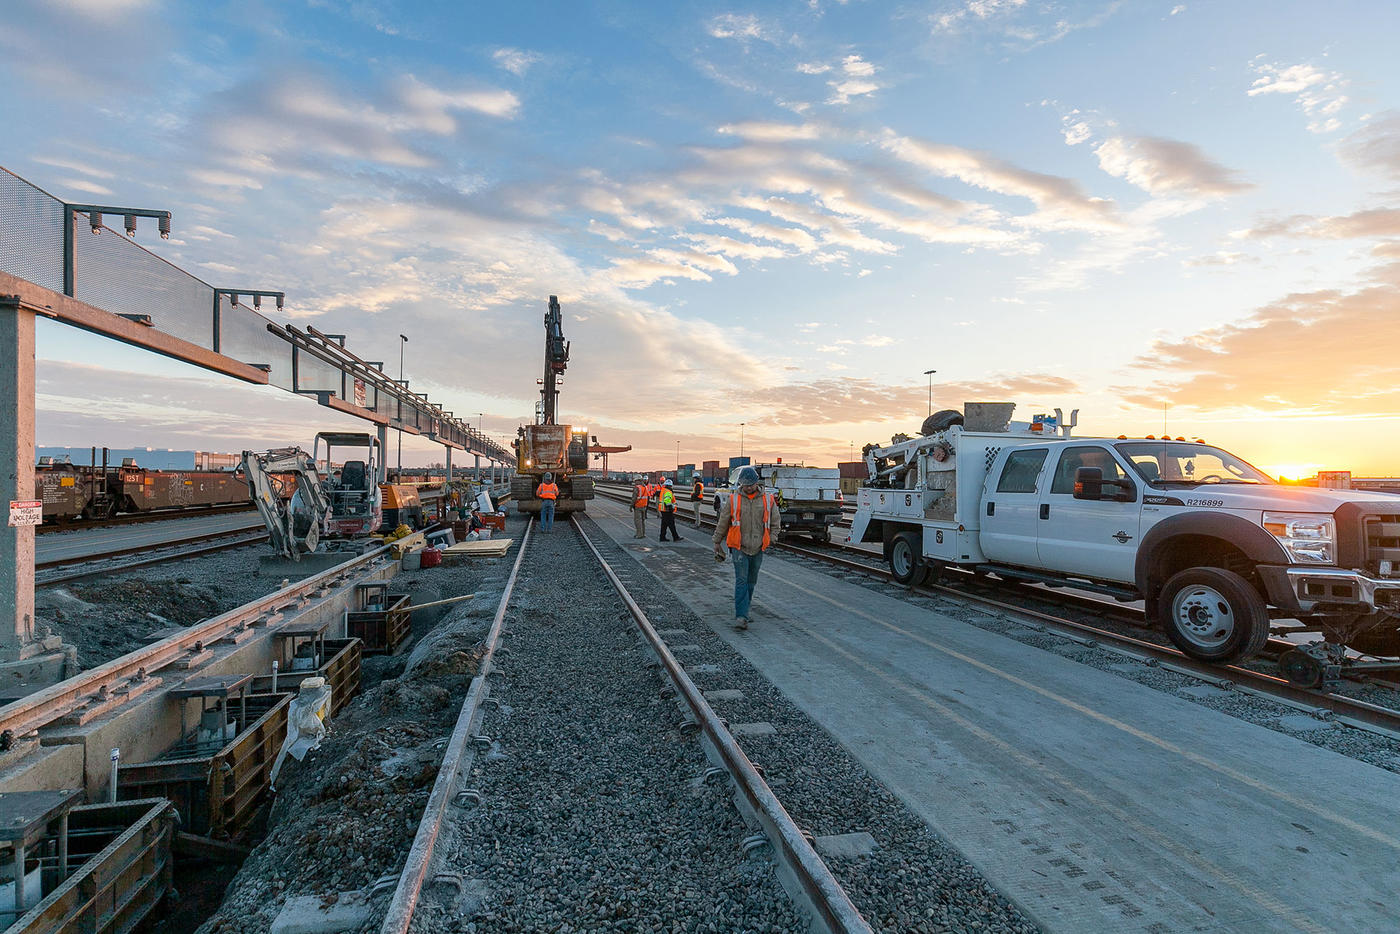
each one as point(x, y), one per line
point(745, 579)
point(546, 515)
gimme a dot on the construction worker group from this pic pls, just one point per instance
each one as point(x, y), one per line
point(748, 523)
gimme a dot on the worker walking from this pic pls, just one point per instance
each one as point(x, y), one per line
point(667, 508)
point(697, 496)
point(548, 492)
point(747, 526)
point(640, 495)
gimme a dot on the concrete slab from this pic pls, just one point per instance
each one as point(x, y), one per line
point(1092, 801)
point(761, 728)
point(845, 845)
point(1305, 724)
point(1202, 691)
point(309, 914)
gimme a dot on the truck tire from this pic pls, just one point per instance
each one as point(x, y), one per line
point(941, 421)
point(1213, 615)
point(904, 553)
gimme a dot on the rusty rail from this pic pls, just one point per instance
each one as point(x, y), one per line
point(818, 888)
point(132, 669)
point(405, 898)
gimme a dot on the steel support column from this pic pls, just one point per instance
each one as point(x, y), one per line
point(28, 658)
point(382, 431)
point(449, 462)
point(476, 468)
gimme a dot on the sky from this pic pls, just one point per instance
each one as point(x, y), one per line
point(776, 214)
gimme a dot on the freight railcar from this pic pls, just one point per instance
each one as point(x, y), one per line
point(71, 491)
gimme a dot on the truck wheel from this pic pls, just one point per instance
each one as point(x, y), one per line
point(1213, 615)
point(903, 553)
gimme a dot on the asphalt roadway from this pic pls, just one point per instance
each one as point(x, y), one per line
point(57, 546)
point(1093, 802)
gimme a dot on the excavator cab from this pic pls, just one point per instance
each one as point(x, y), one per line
point(355, 501)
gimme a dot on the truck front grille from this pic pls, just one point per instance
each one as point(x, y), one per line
point(1383, 544)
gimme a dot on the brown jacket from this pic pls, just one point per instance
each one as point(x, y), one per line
point(750, 522)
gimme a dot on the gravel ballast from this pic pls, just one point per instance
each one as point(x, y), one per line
point(594, 813)
point(912, 881)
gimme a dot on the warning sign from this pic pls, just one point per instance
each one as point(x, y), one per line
point(26, 512)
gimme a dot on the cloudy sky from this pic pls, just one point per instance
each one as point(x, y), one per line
point(779, 214)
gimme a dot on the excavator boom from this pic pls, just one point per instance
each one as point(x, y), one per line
point(293, 525)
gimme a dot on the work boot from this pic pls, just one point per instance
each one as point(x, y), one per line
point(741, 622)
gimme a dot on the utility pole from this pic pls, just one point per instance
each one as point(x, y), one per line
point(929, 374)
point(741, 439)
point(678, 462)
point(403, 339)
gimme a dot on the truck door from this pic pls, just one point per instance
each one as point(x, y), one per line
point(1009, 508)
point(1088, 538)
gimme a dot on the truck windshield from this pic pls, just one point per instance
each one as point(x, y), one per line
point(1164, 463)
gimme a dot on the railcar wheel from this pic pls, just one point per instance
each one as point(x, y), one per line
point(1213, 615)
point(903, 553)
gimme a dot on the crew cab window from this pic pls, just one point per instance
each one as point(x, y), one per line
point(1021, 470)
point(1071, 459)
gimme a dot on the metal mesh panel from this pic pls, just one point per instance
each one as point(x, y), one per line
point(244, 336)
point(315, 374)
point(121, 276)
point(31, 233)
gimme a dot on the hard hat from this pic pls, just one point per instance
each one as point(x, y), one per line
point(668, 482)
point(747, 477)
point(549, 478)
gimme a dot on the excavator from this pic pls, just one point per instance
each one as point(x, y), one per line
point(546, 446)
point(332, 511)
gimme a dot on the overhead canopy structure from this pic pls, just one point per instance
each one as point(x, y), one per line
point(67, 249)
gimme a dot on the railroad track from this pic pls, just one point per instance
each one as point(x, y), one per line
point(1320, 702)
point(809, 881)
point(76, 567)
point(137, 518)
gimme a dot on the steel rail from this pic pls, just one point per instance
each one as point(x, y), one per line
point(33, 711)
point(53, 580)
point(148, 546)
point(405, 899)
point(823, 893)
point(1374, 718)
point(137, 518)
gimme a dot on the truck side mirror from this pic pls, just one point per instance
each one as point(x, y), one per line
point(1088, 483)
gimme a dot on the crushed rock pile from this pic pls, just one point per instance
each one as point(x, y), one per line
point(346, 815)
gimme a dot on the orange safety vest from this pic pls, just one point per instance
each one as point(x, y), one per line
point(547, 491)
point(699, 492)
point(735, 537)
point(639, 497)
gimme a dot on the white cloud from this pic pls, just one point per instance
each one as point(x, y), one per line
point(1319, 93)
point(82, 184)
point(769, 132)
point(515, 61)
point(1166, 167)
point(1179, 8)
point(813, 68)
point(980, 10)
point(73, 165)
point(857, 83)
point(735, 26)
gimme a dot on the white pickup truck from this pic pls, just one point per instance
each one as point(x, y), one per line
point(1213, 546)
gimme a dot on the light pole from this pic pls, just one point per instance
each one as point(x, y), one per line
point(929, 374)
point(741, 439)
point(678, 462)
point(398, 478)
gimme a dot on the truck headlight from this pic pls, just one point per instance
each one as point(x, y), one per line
point(1308, 538)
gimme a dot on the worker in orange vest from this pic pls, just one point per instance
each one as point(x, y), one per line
point(747, 526)
point(548, 492)
point(640, 494)
point(697, 496)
